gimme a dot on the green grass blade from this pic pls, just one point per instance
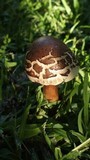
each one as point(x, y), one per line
point(73, 92)
point(23, 122)
point(31, 130)
point(47, 140)
point(83, 145)
point(78, 135)
point(74, 26)
point(71, 155)
point(39, 95)
point(76, 5)
point(80, 121)
point(67, 8)
point(86, 99)
point(58, 153)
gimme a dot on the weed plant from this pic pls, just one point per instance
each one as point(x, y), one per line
point(30, 127)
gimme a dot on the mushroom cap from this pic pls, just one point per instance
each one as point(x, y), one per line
point(50, 62)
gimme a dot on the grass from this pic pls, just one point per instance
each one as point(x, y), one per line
point(30, 127)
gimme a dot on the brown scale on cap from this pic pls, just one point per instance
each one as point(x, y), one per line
point(27, 65)
point(50, 62)
point(48, 74)
point(37, 68)
point(66, 73)
point(47, 61)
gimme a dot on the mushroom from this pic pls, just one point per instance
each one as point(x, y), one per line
point(50, 62)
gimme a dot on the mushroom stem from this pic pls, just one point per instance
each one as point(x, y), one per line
point(51, 93)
